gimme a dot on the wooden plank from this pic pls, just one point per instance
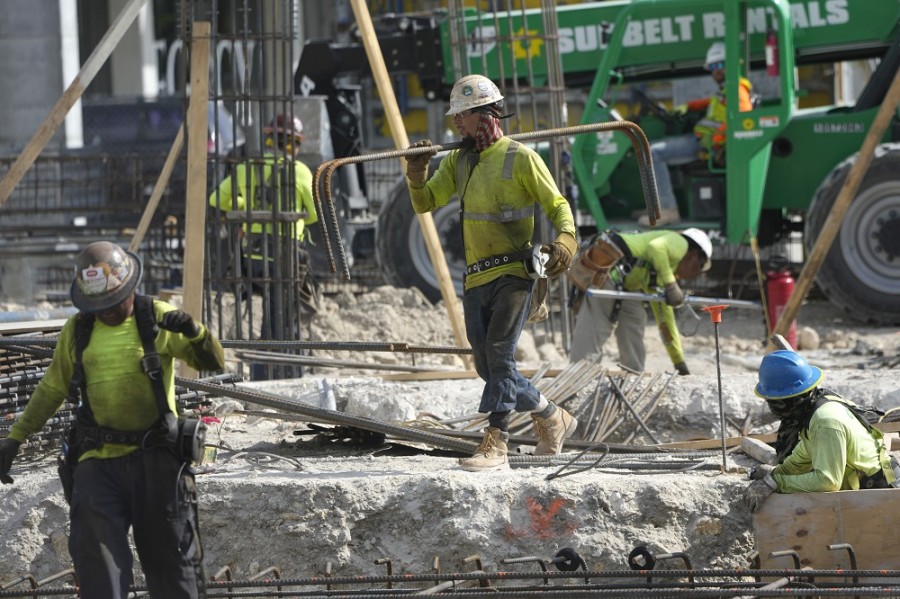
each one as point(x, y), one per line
point(75, 90)
point(455, 375)
point(839, 208)
point(884, 427)
point(32, 326)
point(195, 195)
point(401, 142)
point(158, 190)
point(808, 522)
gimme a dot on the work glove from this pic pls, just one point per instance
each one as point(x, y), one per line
point(9, 448)
point(758, 491)
point(560, 254)
point(680, 110)
point(682, 368)
point(761, 471)
point(674, 294)
point(417, 166)
point(178, 321)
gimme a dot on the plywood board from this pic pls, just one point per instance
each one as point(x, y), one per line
point(808, 522)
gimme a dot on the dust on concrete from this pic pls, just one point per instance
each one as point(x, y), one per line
point(275, 498)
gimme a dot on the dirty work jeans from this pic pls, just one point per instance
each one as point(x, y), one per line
point(152, 492)
point(671, 151)
point(495, 315)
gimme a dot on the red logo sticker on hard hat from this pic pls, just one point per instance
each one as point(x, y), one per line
point(93, 281)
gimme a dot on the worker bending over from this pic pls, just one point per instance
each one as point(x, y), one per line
point(646, 261)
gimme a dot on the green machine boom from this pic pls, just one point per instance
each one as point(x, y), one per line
point(783, 166)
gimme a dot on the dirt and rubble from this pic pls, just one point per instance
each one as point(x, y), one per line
point(310, 503)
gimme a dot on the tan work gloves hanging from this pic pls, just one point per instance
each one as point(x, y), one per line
point(560, 254)
point(417, 166)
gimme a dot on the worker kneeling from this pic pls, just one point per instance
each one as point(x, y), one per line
point(824, 442)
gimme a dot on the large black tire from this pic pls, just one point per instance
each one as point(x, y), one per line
point(861, 272)
point(400, 246)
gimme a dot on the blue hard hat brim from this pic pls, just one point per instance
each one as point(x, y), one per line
point(811, 382)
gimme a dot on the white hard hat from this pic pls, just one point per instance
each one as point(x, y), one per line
point(701, 239)
point(471, 92)
point(716, 53)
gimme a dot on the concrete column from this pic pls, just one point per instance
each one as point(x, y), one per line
point(133, 63)
point(33, 39)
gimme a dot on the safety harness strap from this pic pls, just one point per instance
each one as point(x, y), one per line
point(151, 364)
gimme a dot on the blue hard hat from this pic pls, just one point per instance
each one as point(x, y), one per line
point(784, 374)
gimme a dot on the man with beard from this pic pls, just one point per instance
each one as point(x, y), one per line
point(498, 181)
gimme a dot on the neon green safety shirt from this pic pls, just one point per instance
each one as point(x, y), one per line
point(224, 197)
point(659, 251)
point(498, 215)
point(831, 453)
point(120, 394)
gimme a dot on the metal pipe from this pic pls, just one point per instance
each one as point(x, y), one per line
point(323, 175)
point(690, 299)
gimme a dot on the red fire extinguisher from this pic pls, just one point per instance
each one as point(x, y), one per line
point(772, 53)
point(779, 286)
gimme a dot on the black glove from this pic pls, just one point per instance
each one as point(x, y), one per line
point(674, 294)
point(9, 448)
point(179, 321)
point(682, 368)
point(560, 253)
point(417, 166)
point(761, 471)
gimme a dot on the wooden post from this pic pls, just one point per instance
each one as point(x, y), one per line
point(195, 196)
point(401, 141)
point(839, 209)
point(158, 190)
point(70, 96)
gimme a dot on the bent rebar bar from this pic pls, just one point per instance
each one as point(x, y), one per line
point(323, 175)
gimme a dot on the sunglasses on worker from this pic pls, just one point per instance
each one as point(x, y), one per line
point(716, 66)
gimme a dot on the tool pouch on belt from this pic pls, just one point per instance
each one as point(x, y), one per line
point(879, 480)
point(67, 462)
point(592, 265)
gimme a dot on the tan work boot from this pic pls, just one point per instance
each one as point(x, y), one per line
point(667, 216)
point(490, 455)
point(552, 431)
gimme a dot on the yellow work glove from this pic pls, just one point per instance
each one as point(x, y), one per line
point(560, 253)
point(680, 110)
point(417, 166)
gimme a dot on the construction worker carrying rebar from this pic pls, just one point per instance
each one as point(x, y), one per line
point(128, 455)
point(637, 262)
point(498, 181)
point(825, 442)
point(276, 193)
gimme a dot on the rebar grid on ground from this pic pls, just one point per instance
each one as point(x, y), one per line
point(720, 582)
